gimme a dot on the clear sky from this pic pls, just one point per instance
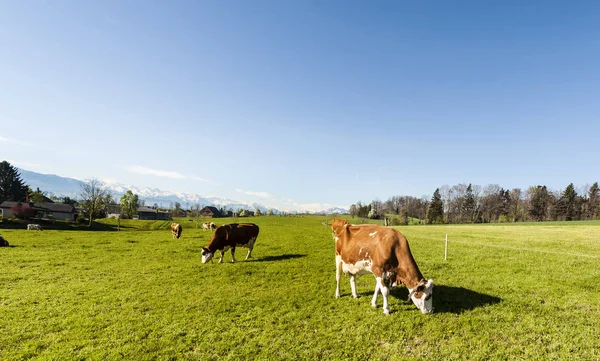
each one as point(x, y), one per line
point(311, 101)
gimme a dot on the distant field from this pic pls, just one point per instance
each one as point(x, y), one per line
point(507, 291)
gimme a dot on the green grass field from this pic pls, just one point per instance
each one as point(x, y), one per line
point(507, 292)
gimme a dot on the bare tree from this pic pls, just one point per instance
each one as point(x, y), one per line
point(94, 198)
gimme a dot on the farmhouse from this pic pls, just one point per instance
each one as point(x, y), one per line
point(148, 213)
point(210, 212)
point(57, 211)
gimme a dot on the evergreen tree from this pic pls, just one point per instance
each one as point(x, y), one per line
point(593, 198)
point(568, 208)
point(539, 203)
point(12, 187)
point(435, 212)
point(257, 213)
point(469, 205)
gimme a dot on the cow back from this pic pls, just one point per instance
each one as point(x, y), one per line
point(231, 235)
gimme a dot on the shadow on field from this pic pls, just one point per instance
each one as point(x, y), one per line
point(281, 257)
point(455, 300)
point(64, 226)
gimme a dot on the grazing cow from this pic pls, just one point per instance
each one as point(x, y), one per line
point(385, 253)
point(3, 242)
point(176, 230)
point(230, 236)
point(33, 226)
point(207, 226)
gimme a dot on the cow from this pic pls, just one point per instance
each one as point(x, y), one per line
point(33, 226)
point(384, 252)
point(3, 242)
point(206, 226)
point(176, 230)
point(229, 236)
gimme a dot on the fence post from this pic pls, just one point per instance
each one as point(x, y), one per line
point(446, 248)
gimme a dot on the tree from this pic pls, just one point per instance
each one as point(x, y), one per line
point(67, 200)
point(129, 204)
point(242, 213)
point(353, 210)
point(195, 213)
point(257, 213)
point(469, 205)
point(12, 187)
point(593, 198)
point(538, 202)
point(568, 205)
point(37, 196)
point(94, 198)
point(435, 212)
point(270, 212)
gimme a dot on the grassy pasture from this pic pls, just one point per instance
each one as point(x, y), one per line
point(524, 291)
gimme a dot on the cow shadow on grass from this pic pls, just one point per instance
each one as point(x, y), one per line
point(280, 257)
point(448, 299)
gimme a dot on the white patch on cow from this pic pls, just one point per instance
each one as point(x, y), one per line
point(361, 267)
point(425, 302)
point(373, 234)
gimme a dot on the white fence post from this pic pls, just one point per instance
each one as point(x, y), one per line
point(446, 248)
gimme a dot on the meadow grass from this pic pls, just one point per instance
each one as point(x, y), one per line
point(508, 292)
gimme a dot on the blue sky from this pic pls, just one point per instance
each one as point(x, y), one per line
point(303, 102)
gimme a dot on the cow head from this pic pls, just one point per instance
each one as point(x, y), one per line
point(337, 225)
point(207, 255)
point(422, 296)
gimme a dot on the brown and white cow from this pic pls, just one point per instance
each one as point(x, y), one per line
point(176, 230)
point(384, 252)
point(207, 226)
point(229, 236)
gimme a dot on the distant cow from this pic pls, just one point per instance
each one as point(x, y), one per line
point(3, 242)
point(176, 230)
point(208, 226)
point(385, 253)
point(229, 236)
point(33, 226)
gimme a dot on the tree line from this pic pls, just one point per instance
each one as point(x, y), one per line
point(470, 203)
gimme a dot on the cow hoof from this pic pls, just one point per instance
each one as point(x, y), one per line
point(355, 296)
point(386, 312)
point(337, 295)
point(374, 305)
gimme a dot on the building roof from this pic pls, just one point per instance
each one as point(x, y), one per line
point(212, 209)
point(47, 207)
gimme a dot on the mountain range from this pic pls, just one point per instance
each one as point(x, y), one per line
point(70, 187)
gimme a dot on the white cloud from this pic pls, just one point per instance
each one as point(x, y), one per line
point(24, 165)
point(163, 173)
point(155, 172)
point(15, 141)
point(256, 194)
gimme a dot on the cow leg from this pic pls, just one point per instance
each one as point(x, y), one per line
point(374, 300)
point(250, 246)
point(353, 285)
point(338, 275)
point(385, 291)
point(222, 255)
point(232, 254)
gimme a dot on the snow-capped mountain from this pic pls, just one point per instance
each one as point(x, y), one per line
point(70, 187)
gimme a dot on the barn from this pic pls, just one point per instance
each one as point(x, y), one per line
point(210, 212)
